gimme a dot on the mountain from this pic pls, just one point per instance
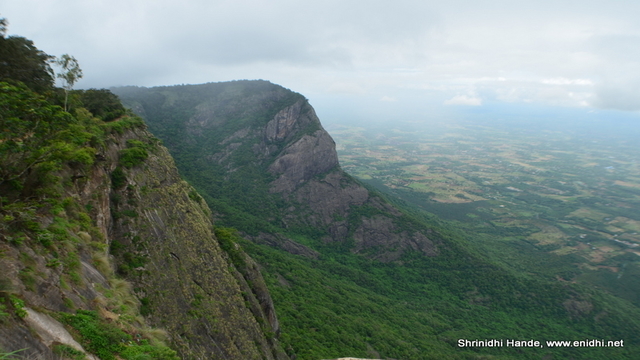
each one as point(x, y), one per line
point(350, 271)
point(276, 163)
point(87, 203)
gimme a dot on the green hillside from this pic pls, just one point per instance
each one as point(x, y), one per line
point(384, 283)
point(105, 252)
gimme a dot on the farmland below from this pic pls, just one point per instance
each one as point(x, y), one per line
point(560, 202)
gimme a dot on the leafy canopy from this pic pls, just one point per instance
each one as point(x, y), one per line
point(21, 61)
point(71, 73)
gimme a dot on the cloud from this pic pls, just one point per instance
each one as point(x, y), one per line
point(346, 88)
point(565, 81)
point(461, 51)
point(623, 95)
point(619, 84)
point(464, 100)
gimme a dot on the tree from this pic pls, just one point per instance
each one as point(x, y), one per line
point(71, 73)
point(102, 103)
point(31, 131)
point(21, 61)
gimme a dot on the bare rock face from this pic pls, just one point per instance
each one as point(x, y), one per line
point(310, 156)
point(330, 197)
point(309, 173)
point(380, 231)
point(188, 282)
point(285, 244)
point(306, 153)
point(286, 122)
point(51, 331)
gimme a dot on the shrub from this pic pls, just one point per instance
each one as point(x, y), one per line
point(18, 306)
point(118, 178)
point(68, 352)
point(102, 339)
point(149, 352)
point(133, 156)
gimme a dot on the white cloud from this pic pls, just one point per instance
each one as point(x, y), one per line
point(565, 81)
point(543, 52)
point(346, 88)
point(464, 100)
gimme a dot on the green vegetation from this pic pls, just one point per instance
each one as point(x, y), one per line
point(345, 304)
point(71, 73)
point(134, 154)
point(102, 103)
point(23, 63)
point(107, 340)
point(68, 352)
point(10, 355)
point(46, 155)
point(18, 306)
point(228, 239)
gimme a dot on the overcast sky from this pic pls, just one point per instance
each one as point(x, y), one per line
point(345, 55)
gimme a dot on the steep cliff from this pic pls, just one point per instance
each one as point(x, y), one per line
point(103, 204)
point(263, 131)
point(164, 243)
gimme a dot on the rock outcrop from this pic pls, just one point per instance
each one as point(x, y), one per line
point(183, 275)
point(277, 132)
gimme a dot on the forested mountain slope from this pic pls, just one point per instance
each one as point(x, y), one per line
point(351, 274)
point(105, 252)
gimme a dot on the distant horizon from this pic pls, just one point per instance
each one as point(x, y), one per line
point(343, 109)
point(382, 61)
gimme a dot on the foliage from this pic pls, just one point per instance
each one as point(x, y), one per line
point(3, 314)
point(68, 352)
point(71, 73)
point(108, 341)
point(37, 137)
point(228, 239)
point(101, 103)
point(99, 338)
point(148, 352)
point(118, 178)
point(23, 62)
point(123, 124)
point(18, 306)
point(10, 355)
point(44, 153)
point(134, 154)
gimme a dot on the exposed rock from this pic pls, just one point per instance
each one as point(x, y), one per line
point(51, 331)
point(191, 291)
point(285, 244)
point(285, 123)
point(380, 232)
point(330, 197)
point(578, 308)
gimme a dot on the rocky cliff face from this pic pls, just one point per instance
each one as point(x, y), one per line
point(167, 249)
point(146, 224)
point(308, 173)
point(286, 140)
